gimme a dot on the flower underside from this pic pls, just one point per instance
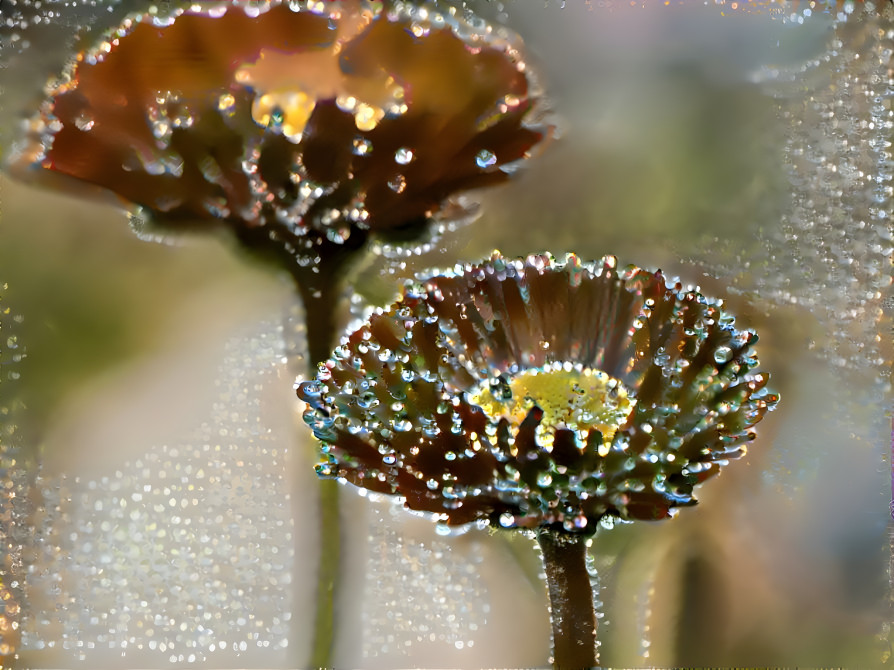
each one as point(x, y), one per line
point(539, 393)
point(299, 124)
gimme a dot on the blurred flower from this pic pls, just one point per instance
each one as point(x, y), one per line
point(301, 125)
point(539, 393)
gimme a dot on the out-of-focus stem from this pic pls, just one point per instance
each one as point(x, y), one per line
point(327, 576)
point(320, 297)
point(572, 610)
point(320, 292)
point(320, 283)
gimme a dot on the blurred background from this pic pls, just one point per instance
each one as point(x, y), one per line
point(159, 496)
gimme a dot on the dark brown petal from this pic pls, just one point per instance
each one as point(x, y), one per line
point(252, 119)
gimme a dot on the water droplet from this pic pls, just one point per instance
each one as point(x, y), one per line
point(572, 523)
point(403, 156)
point(485, 159)
point(367, 117)
point(277, 117)
point(507, 520)
point(320, 422)
point(312, 389)
point(402, 425)
point(398, 184)
point(338, 234)
point(500, 389)
point(362, 146)
point(367, 400)
point(226, 103)
point(723, 354)
point(84, 121)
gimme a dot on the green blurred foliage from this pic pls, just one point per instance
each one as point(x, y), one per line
point(91, 294)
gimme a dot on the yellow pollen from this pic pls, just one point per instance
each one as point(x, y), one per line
point(579, 400)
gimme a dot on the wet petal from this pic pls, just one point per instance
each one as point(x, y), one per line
point(537, 392)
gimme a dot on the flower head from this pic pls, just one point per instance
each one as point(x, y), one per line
point(539, 393)
point(311, 122)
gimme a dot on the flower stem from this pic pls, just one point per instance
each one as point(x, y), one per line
point(320, 296)
point(327, 576)
point(320, 285)
point(571, 599)
point(320, 292)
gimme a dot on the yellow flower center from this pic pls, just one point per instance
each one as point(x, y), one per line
point(577, 399)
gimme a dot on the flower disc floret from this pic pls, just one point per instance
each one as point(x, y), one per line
point(539, 393)
point(578, 399)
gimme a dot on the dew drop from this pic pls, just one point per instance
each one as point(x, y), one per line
point(362, 146)
point(84, 121)
point(403, 156)
point(402, 425)
point(367, 117)
point(277, 117)
point(398, 184)
point(338, 234)
point(226, 102)
point(312, 389)
point(485, 159)
point(723, 354)
point(367, 400)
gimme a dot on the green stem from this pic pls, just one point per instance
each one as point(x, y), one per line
point(572, 611)
point(320, 285)
point(320, 292)
point(327, 575)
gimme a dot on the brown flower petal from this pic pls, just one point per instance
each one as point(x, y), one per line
point(539, 393)
point(313, 121)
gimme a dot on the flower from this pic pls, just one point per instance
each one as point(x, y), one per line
point(539, 393)
point(302, 125)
